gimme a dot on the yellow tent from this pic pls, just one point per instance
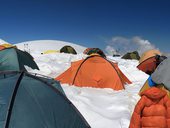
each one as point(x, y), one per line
point(3, 46)
point(50, 51)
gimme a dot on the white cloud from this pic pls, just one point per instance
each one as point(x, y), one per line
point(110, 50)
point(142, 45)
point(123, 45)
point(120, 40)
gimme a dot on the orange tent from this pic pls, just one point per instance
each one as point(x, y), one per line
point(2, 47)
point(149, 54)
point(94, 71)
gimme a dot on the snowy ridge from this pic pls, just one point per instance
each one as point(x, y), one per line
point(43, 45)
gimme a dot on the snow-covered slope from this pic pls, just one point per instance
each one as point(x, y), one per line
point(102, 108)
point(43, 45)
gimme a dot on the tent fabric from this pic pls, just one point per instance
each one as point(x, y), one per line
point(28, 101)
point(94, 71)
point(15, 59)
point(68, 49)
point(148, 54)
point(162, 73)
point(96, 51)
point(131, 55)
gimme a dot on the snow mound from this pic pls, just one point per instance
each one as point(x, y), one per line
point(44, 45)
point(102, 108)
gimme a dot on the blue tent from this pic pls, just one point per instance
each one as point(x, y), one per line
point(29, 101)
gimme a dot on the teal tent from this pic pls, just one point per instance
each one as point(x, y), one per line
point(15, 59)
point(29, 101)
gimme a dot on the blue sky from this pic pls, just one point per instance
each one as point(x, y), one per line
point(92, 23)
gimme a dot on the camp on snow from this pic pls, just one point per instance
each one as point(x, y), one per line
point(40, 103)
point(94, 71)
